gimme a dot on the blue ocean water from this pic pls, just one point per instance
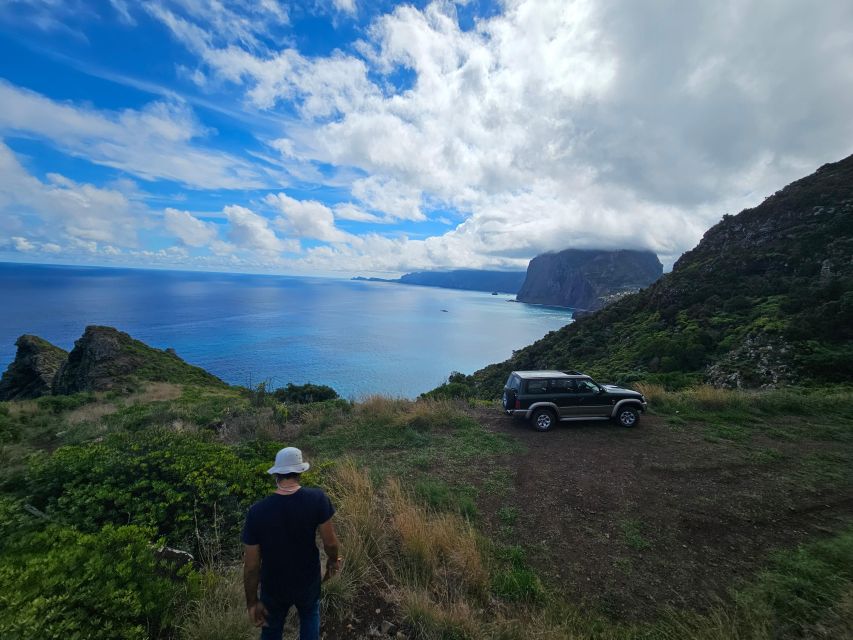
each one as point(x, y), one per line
point(359, 337)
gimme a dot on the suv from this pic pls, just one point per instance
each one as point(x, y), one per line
point(544, 397)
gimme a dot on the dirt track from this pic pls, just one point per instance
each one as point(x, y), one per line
point(630, 520)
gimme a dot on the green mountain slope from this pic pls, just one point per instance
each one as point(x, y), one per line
point(766, 298)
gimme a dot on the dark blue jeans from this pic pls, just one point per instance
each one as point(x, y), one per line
point(307, 606)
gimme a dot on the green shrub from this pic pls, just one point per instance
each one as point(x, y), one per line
point(59, 404)
point(60, 583)
point(452, 390)
point(10, 429)
point(177, 484)
point(304, 393)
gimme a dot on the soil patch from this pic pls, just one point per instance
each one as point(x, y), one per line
point(630, 521)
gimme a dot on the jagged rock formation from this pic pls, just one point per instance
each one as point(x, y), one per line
point(587, 279)
point(105, 358)
point(31, 373)
point(766, 298)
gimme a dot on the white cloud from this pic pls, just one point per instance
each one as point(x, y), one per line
point(22, 244)
point(63, 208)
point(649, 120)
point(345, 6)
point(306, 218)
point(156, 142)
point(554, 123)
point(350, 211)
point(398, 201)
point(250, 231)
point(189, 229)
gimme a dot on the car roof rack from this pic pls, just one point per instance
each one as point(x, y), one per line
point(572, 372)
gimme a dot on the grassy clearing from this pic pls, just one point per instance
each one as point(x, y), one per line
point(439, 579)
point(736, 416)
point(408, 511)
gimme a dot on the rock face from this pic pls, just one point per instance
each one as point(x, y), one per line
point(31, 373)
point(587, 279)
point(105, 358)
point(96, 362)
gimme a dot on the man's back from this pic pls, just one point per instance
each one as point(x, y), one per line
point(285, 527)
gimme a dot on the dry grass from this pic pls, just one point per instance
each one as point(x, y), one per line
point(708, 397)
point(431, 620)
point(654, 392)
point(438, 549)
point(91, 413)
point(156, 392)
point(220, 612)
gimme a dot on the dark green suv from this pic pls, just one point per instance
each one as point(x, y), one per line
point(545, 397)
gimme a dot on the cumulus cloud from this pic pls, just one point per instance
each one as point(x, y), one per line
point(248, 230)
point(64, 208)
point(306, 218)
point(554, 123)
point(22, 244)
point(156, 142)
point(189, 229)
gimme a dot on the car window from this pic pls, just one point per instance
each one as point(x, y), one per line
point(537, 386)
point(563, 385)
point(587, 386)
point(514, 382)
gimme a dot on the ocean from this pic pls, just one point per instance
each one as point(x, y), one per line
point(359, 337)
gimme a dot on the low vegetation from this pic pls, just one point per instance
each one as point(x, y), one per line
point(432, 541)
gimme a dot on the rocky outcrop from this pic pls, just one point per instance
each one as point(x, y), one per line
point(97, 362)
point(105, 358)
point(31, 373)
point(587, 279)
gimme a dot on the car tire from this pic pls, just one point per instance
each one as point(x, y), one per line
point(628, 417)
point(543, 419)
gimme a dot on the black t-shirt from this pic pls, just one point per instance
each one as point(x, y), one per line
point(286, 527)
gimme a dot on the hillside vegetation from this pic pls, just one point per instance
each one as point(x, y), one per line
point(440, 530)
point(766, 298)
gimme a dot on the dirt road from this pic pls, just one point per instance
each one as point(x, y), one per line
point(630, 520)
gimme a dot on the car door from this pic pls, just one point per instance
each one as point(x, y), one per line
point(592, 403)
point(562, 392)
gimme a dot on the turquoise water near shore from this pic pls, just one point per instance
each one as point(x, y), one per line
point(359, 337)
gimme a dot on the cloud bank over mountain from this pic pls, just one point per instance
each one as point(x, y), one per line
point(336, 138)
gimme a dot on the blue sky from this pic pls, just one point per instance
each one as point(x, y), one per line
point(344, 137)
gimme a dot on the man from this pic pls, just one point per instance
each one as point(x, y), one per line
point(280, 551)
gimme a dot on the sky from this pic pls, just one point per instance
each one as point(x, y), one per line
point(346, 137)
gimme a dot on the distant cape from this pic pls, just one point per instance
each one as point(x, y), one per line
point(466, 279)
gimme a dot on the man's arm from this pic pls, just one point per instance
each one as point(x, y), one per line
point(251, 580)
point(331, 547)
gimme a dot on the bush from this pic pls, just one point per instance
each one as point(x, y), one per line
point(177, 484)
point(59, 404)
point(60, 583)
point(304, 393)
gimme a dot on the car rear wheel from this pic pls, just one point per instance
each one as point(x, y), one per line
point(628, 417)
point(543, 419)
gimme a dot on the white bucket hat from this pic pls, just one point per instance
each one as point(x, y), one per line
point(289, 460)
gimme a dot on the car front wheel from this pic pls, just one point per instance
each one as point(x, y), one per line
point(543, 419)
point(628, 417)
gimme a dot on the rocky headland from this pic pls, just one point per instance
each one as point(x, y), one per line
point(586, 279)
point(102, 359)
